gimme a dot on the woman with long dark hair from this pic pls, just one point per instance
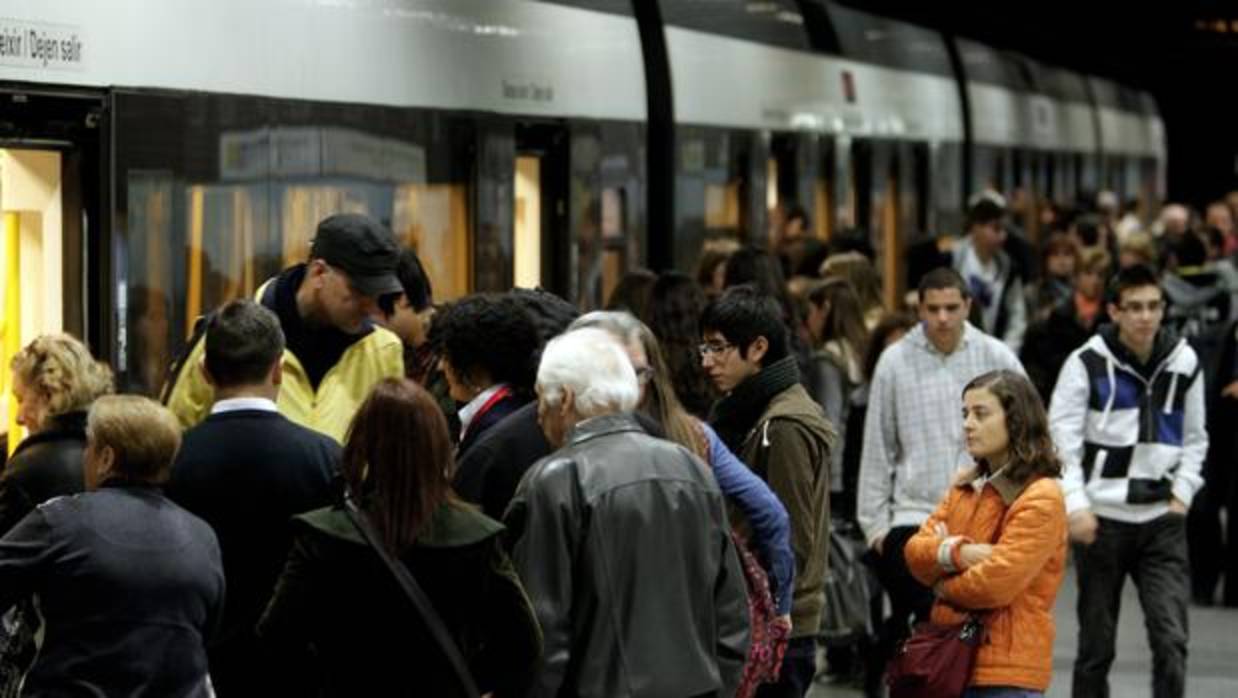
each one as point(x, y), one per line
point(675, 318)
point(996, 545)
point(338, 601)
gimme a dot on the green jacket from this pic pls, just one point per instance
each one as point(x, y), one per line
point(330, 409)
point(790, 448)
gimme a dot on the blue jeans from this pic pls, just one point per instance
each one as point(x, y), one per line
point(1000, 692)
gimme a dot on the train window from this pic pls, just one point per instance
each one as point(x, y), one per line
point(947, 182)
point(617, 256)
point(31, 268)
point(989, 168)
point(607, 230)
point(883, 41)
point(219, 193)
point(773, 22)
point(711, 188)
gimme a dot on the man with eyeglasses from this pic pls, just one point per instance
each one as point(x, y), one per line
point(769, 420)
point(334, 351)
point(1127, 416)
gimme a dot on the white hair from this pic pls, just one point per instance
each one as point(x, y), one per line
point(591, 363)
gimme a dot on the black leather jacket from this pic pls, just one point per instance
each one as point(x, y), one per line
point(622, 543)
point(45, 465)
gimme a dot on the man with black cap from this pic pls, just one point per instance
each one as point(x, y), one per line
point(334, 352)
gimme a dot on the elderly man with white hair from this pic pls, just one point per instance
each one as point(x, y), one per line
point(622, 542)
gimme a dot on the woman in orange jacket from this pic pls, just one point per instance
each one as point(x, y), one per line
point(997, 542)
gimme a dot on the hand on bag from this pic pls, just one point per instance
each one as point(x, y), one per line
point(972, 554)
point(1083, 526)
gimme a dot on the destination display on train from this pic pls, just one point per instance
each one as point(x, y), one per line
point(40, 45)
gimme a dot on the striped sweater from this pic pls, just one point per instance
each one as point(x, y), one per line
point(1130, 441)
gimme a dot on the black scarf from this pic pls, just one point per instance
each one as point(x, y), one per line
point(736, 414)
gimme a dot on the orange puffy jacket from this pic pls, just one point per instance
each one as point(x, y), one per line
point(1018, 582)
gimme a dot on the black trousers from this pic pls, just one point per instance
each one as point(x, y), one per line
point(910, 600)
point(1213, 549)
point(799, 664)
point(1154, 555)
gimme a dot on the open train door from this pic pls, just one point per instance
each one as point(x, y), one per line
point(540, 200)
point(53, 253)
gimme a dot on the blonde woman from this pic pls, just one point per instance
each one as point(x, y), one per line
point(55, 380)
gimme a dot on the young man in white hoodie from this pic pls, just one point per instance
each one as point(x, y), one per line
point(1127, 416)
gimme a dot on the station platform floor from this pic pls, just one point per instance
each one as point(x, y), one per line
point(1212, 664)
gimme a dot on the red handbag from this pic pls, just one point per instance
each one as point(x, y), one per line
point(936, 661)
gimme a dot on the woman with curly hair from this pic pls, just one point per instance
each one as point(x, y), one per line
point(55, 380)
point(487, 344)
point(996, 546)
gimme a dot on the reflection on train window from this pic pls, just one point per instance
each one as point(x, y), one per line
point(607, 215)
point(615, 250)
point(202, 229)
point(711, 190)
point(433, 219)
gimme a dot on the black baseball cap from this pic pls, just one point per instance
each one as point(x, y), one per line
point(361, 247)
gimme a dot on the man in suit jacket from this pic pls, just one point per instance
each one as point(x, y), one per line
point(246, 470)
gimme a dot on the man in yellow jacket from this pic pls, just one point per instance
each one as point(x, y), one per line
point(334, 353)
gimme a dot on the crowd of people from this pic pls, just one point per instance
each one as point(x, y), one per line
point(351, 489)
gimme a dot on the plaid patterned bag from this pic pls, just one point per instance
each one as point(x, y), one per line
point(768, 639)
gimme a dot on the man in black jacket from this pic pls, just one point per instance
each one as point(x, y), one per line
point(246, 470)
point(618, 538)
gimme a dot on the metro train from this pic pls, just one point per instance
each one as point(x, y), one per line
point(159, 158)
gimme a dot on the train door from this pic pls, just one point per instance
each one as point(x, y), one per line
point(799, 176)
point(50, 225)
point(540, 241)
point(877, 208)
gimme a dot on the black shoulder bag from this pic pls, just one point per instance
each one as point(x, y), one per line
point(415, 594)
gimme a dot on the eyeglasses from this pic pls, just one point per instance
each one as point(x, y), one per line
point(1134, 308)
point(713, 348)
point(643, 374)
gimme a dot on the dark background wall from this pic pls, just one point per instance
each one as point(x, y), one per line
point(1185, 52)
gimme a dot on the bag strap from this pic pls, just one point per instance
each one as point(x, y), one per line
point(434, 622)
